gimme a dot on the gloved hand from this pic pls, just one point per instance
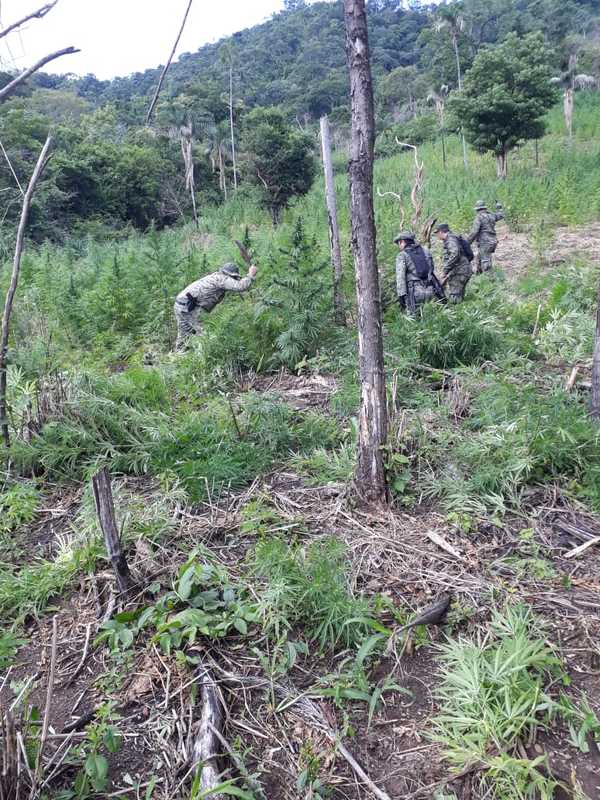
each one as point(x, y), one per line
point(498, 205)
point(252, 271)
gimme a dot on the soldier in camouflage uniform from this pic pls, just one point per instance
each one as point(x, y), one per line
point(484, 233)
point(457, 267)
point(416, 283)
point(203, 295)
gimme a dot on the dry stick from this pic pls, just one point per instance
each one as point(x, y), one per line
point(105, 508)
point(10, 295)
point(49, 692)
point(572, 378)
point(88, 631)
point(10, 166)
point(41, 12)
point(167, 65)
point(10, 87)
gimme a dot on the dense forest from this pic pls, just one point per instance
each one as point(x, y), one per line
point(198, 599)
point(113, 170)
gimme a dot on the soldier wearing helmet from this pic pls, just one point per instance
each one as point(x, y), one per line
point(203, 295)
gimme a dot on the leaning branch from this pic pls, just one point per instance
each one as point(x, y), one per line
point(41, 12)
point(10, 295)
point(10, 87)
point(167, 65)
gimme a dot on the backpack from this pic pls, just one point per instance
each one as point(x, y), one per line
point(420, 261)
point(466, 248)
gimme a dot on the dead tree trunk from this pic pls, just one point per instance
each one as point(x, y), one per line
point(370, 472)
point(10, 295)
point(105, 509)
point(232, 129)
point(167, 65)
point(595, 407)
point(502, 165)
point(334, 233)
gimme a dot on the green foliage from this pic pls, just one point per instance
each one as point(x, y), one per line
point(506, 94)
point(18, 505)
point(202, 603)
point(492, 694)
point(309, 586)
point(279, 158)
point(296, 303)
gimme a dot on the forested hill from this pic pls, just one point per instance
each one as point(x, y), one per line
point(295, 59)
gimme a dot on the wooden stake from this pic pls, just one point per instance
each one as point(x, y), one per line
point(334, 233)
point(206, 751)
point(106, 514)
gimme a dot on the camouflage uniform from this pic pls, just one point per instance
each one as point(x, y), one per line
point(457, 267)
point(484, 233)
point(208, 293)
point(407, 278)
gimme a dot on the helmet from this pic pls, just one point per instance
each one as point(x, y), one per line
point(480, 206)
point(404, 236)
point(230, 269)
point(443, 227)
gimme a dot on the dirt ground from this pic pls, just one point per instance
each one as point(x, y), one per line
point(408, 557)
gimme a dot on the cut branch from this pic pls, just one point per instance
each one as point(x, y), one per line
point(14, 280)
point(334, 233)
point(10, 87)
point(41, 12)
point(167, 65)
point(105, 508)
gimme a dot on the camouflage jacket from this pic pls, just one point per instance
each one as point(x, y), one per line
point(406, 272)
point(211, 289)
point(455, 259)
point(484, 227)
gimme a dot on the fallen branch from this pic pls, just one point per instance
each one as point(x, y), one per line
point(10, 87)
point(582, 547)
point(441, 542)
point(205, 751)
point(49, 693)
point(572, 378)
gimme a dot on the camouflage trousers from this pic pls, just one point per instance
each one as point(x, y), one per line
point(188, 324)
point(456, 285)
point(485, 252)
point(422, 294)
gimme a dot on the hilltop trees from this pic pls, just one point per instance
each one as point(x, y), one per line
point(505, 96)
point(278, 158)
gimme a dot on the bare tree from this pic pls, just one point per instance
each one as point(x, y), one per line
point(16, 82)
point(334, 233)
point(167, 65)
point(595, 408)
point(38, 14)
point(227, 57)
point(10, 295)
point(438, 100)
point(370, 479)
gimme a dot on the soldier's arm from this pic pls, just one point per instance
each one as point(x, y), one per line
point(231, 285)
point(452, 254)
point(499, 215)
point(474, 230)
point(400, 275)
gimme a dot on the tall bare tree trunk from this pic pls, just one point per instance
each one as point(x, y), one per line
point(231, 123)
point(105, 509)
point(167, 65)
point(502, 165)
point(10, 295)
point(370, 472)
point(459, 79)
point(595, 407)
point(569, 105)
point(334, 233)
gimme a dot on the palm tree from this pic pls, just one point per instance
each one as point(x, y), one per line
point(450, 19)
point(437, 98)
